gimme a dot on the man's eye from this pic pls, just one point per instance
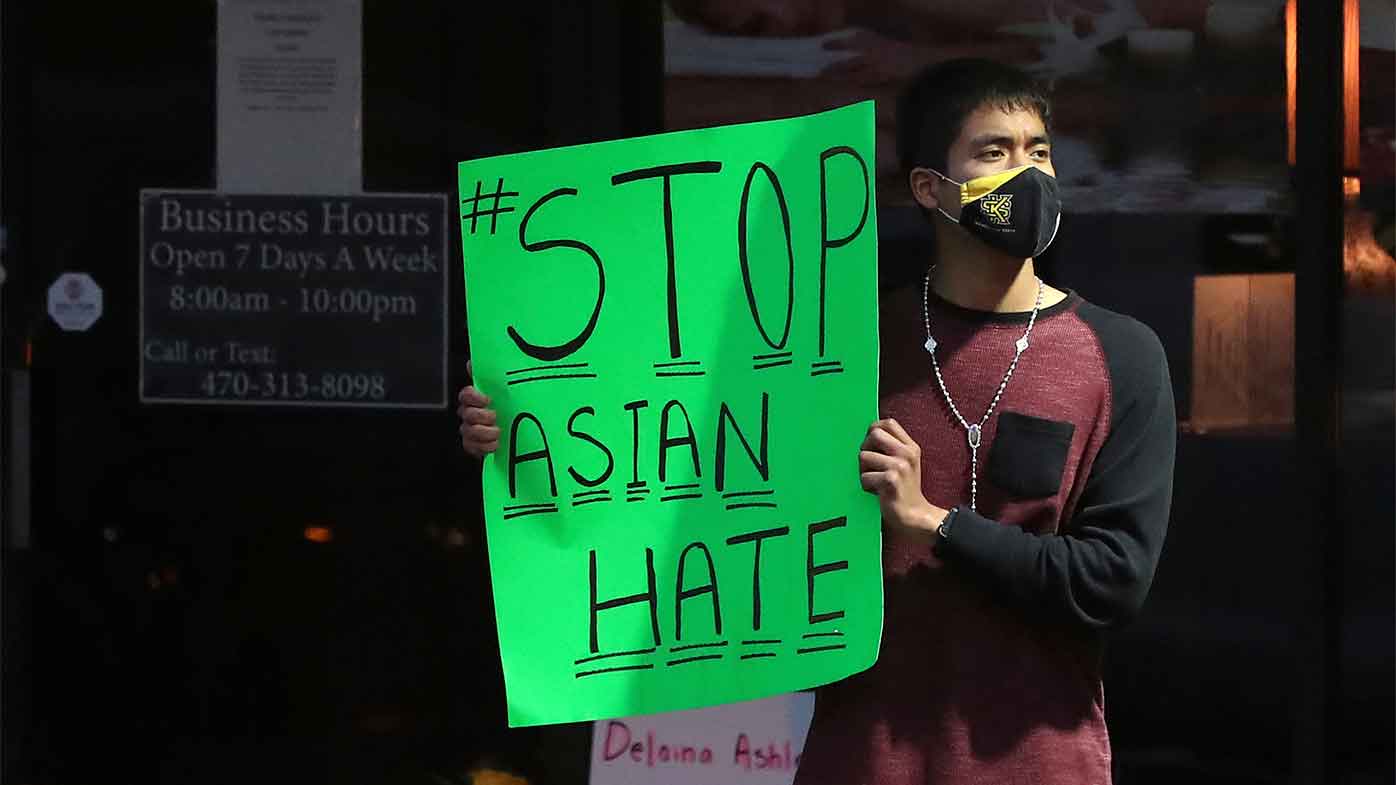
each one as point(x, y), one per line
point(1042, 154)
point(991, 154)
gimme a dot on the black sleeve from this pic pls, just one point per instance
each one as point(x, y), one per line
point(1098, 572)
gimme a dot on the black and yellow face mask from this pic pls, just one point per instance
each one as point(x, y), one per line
point(1016, 211)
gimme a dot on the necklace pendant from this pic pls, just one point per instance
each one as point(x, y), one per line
point(1022, 344)
point(974, 436)
point(930, 344)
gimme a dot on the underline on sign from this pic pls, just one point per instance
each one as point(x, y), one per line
point(546, 368)
point(524, 513)
point(595, 657)
point(552, 376)
point(613, 670)
point(695, 659)
point(690, 646)
point(735, 494)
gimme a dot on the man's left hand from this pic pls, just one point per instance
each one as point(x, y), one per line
point(890, 466)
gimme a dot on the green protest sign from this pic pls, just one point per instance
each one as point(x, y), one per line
point(679, 333)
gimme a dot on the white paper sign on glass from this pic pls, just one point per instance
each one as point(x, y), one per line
point(290, 101)
point(752, 742)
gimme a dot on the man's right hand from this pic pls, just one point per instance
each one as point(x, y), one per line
point(479, 434)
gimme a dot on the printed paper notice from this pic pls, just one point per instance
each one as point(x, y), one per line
point(290, 96)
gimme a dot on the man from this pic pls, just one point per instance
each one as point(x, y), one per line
point(1024, 468)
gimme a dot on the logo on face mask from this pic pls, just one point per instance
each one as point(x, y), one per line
point(998, 208)
point(1024, 232)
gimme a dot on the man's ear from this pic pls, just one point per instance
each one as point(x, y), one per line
point(923, 188)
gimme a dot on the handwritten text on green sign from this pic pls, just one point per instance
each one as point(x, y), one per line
point(679, 335)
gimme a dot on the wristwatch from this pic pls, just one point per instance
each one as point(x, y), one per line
point(943, 533)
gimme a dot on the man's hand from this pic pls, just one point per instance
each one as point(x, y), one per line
point(890, 463)
point(479, 434)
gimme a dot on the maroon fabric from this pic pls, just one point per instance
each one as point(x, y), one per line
point(968, 689)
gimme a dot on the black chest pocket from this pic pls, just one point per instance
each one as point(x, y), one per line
point(1029, 455)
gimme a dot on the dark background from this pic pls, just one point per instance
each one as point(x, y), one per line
point(166, 620)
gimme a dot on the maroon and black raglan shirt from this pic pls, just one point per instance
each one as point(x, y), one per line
point(990, 668)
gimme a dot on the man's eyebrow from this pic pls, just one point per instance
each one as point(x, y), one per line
point(1005, 140)
point(984, 140)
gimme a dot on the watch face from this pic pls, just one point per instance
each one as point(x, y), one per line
point(942, 534)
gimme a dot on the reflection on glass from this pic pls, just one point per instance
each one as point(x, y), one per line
point(1243, 352)
point(1160, 106)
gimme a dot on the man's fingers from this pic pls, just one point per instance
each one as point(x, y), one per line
point(480, 433)
point(476, 446)
point(466, 444)
point(879, 440)
point(876, 437)
point(895, 428)
point(471, 396)
point(870, 461)
point(889, 437)
point(477, 416)
point(873, 482)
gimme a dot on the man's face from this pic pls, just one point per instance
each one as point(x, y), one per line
point(763, 17)
point(990, 141)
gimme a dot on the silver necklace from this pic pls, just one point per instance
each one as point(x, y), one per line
point(973, 433)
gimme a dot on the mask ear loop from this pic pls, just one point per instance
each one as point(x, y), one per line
point(1048, 244)
point(940, 209)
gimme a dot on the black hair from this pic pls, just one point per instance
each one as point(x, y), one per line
point(934, 105)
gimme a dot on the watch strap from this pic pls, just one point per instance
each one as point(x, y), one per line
point(945, 532)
